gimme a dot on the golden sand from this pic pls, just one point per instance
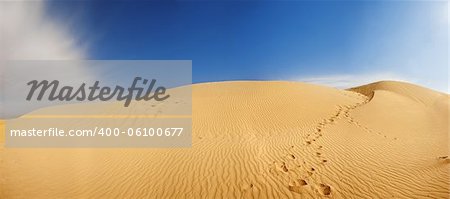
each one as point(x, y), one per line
point(264, 140)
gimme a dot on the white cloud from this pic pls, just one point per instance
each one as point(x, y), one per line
point(27, 32)
point(344, 81)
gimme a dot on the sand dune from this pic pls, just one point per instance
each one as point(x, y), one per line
point(264, 140)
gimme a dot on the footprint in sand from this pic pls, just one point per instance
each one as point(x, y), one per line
point(297, 186)
point(292, 156)
point(276, 168)
point(249, 190)
point(324, 189)
point(302, 182)
point(284, 168)
point(296, 189)
point(445, 159)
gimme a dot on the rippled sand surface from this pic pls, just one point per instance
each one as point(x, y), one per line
point(263, 140)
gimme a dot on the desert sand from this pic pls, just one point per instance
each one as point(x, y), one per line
point(263, 140)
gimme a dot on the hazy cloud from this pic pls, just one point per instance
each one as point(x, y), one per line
point(343, 81)
point(27, 32)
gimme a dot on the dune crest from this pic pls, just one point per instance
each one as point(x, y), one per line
point(414, 92)
point(264, 140)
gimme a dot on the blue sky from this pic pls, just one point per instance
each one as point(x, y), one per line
point(337, 43)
